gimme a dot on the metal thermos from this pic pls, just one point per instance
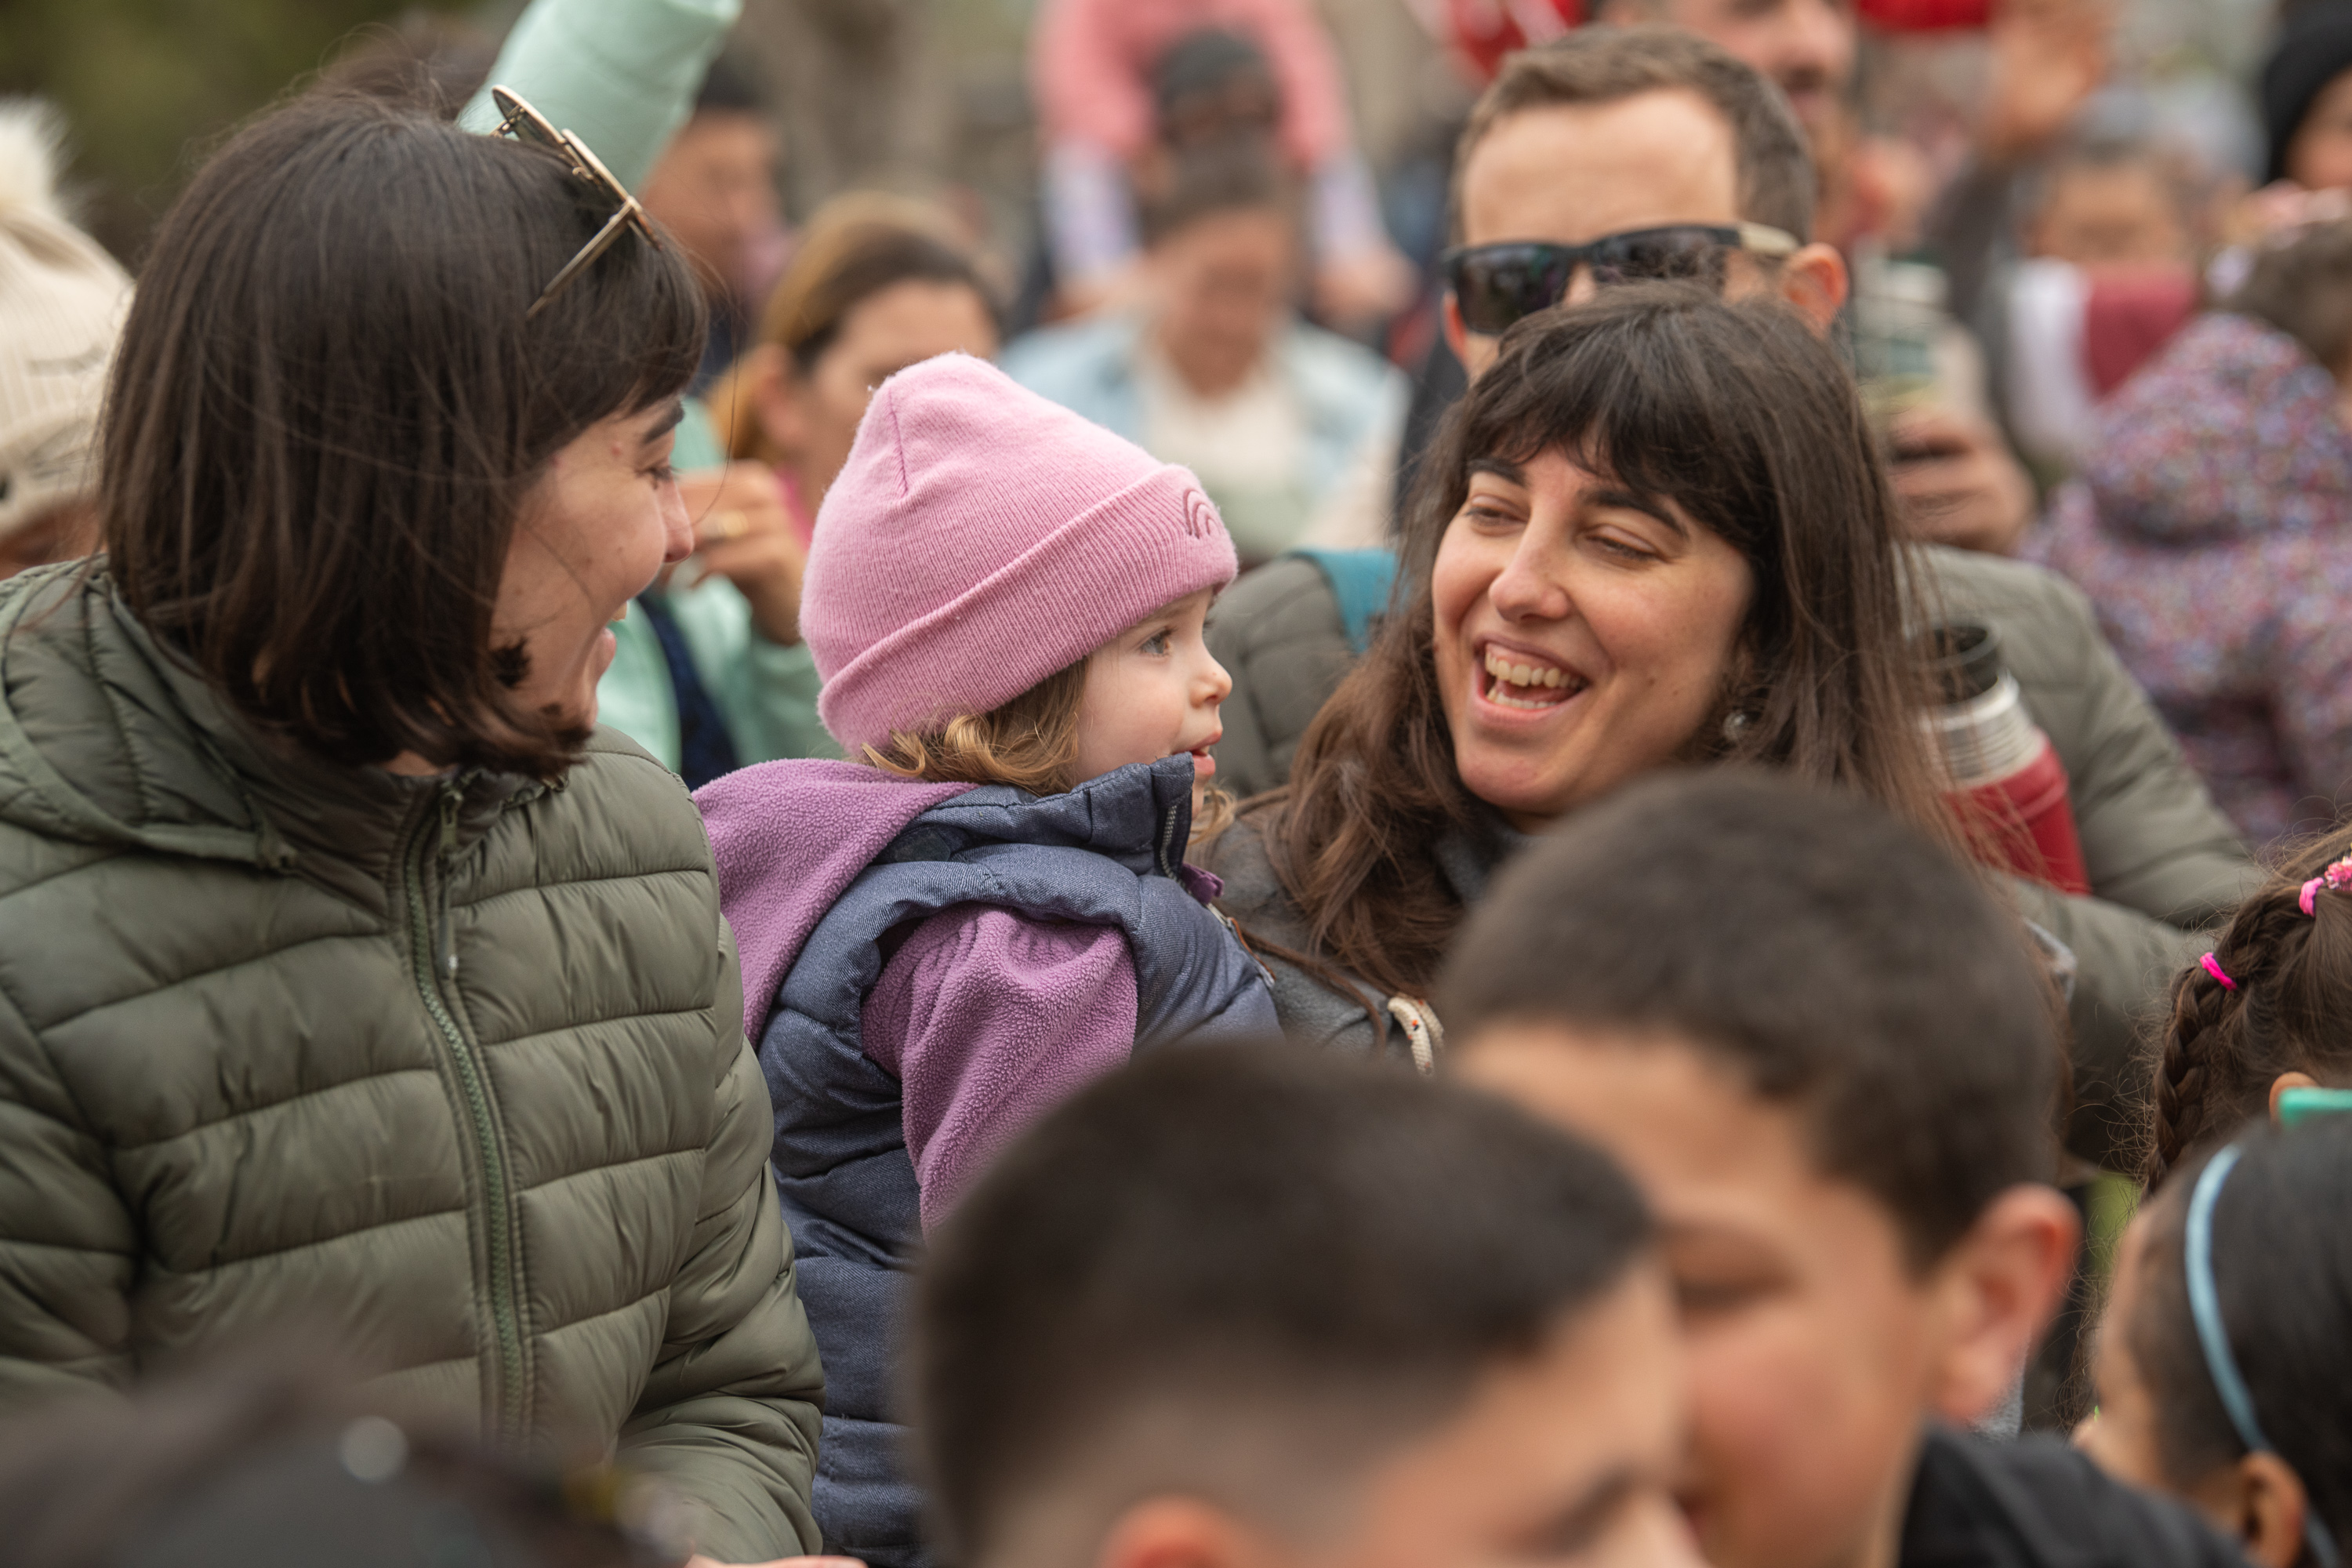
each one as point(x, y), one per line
point(2003, 776)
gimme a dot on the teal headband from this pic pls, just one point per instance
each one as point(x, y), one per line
point(2213, 1337)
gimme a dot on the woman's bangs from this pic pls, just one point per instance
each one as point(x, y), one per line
point(1636, 419)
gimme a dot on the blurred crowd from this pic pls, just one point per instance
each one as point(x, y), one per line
point(655, 854)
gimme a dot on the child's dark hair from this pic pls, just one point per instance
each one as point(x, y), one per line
point(2283, 1279)
point(2290, 1010)
point(1830, 955)
point(266, 1455)
point(1258, 1252)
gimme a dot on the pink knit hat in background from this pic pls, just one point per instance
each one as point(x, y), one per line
point(978, 540)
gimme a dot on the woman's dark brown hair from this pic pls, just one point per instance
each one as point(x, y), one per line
point(1741, 416)
point(2220, 1049)
point(328, 409)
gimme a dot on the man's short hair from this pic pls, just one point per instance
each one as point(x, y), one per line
point(1608, 65)
point(1242, 1274)
point(1827, 954)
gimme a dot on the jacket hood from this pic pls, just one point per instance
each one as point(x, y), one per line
point(102, 737)
point(790, 836)
point(2231, 432)
point(106, 739)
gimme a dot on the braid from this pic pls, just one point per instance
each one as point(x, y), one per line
point(2182, 1075)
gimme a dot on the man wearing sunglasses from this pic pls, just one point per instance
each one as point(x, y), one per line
point(1616, 153)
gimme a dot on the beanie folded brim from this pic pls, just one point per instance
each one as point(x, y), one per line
point(1136, 551)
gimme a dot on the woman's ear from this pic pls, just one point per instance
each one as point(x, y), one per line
point(1997, 1290)
point(2260, 1500)
point(2288, 1080)
point(772, 386)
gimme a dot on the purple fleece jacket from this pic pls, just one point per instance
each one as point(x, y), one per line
point(987, 1018)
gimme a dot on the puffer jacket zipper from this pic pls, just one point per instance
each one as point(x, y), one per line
point(433, 960)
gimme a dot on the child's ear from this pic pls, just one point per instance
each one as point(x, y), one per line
point(2263, 1502)
point(1182, 1533)
point(2288, 1080)
point(1996, 1289)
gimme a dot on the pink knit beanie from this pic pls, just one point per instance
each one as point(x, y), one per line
point(979, 539)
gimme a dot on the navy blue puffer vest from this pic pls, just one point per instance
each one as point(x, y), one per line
point(1108, 853)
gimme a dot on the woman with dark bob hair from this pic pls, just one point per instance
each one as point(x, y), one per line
point(350, 976)
point(1654, 533)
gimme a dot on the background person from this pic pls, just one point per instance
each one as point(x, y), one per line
point(1092, 69)
point(61, 303)
point(714, 189)
point(2109, 275)
point(2306, 98)
point(1822, 1051)
point(2212, 530)
point(319, 991)
point(878, 283)
point(1291, 430)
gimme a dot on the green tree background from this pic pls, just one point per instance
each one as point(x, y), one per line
point(147, 84)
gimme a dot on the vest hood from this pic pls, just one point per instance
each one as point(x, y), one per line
point(790, 836)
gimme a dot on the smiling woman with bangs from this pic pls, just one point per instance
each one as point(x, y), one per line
point(1656, 534)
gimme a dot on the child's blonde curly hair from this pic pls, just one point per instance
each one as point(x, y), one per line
point(1030, 743)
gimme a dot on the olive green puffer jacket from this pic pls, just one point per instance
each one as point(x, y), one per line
point(451, 1068)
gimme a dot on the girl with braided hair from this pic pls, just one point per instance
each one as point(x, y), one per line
point(2269, 1009)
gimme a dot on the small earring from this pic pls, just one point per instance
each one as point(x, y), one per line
point(1734, 725)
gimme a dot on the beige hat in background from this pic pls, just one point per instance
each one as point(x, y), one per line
point(62, 301)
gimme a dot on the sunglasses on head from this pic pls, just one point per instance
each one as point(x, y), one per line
point(524, 123)
point(1495, 285)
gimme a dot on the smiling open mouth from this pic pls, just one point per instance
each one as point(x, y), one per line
point(1510, 683)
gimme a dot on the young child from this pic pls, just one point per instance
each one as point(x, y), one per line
point(1281, 1308)
point(991, 908)
point(1825, 1053)
point(2268, 1010)
point(2226, 1350)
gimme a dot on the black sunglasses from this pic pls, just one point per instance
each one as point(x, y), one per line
point(524, 123)
point(1495, 285)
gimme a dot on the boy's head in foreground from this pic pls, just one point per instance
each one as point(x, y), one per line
point(1826, 1056)
point(1258, 1307)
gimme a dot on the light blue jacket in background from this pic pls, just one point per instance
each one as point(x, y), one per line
point(1346, 394)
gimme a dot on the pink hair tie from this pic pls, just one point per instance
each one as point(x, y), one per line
point(2336, 879)
point(2214, 970)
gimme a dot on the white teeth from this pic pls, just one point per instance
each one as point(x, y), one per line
point(1532, 676)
